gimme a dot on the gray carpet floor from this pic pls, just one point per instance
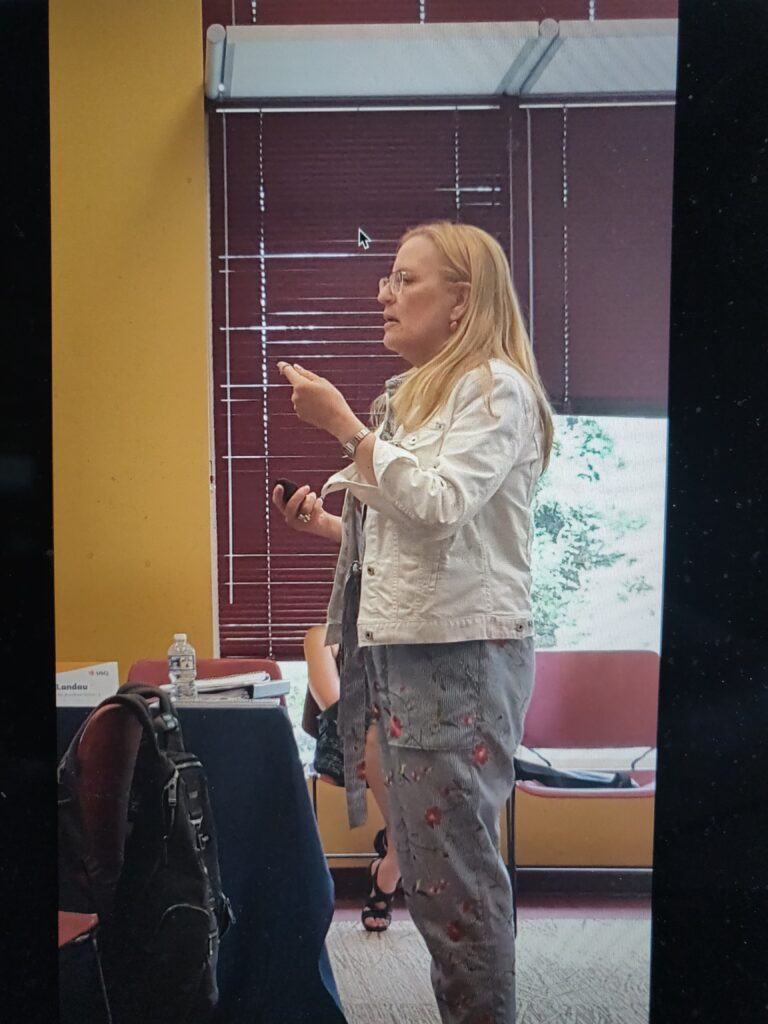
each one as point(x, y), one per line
point(569, 971)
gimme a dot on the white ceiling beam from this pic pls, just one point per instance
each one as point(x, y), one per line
point(433, 60)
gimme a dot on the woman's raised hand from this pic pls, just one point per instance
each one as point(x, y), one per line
point(317, 402)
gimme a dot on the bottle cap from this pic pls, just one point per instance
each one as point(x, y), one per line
point(179, 636)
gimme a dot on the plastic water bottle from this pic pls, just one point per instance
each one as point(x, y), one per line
point(182, 667)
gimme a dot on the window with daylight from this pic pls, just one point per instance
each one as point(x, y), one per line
point(307, 206)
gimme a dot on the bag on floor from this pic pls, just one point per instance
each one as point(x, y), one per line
point(160, 940)
point(528, 771)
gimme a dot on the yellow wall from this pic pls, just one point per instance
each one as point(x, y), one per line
point(132, 521)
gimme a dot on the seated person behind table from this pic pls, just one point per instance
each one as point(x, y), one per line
point(323, 682)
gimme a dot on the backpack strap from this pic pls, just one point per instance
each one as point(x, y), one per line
point(168, 734)
point(162, 730)
point(149, 692)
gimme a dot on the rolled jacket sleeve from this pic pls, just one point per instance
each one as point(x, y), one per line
point(478, 450)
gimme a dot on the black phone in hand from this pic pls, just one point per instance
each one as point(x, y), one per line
point(289, 489)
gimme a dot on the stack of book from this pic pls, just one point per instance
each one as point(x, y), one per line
point(252, 689)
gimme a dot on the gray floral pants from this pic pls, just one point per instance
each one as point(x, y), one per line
point(450, 717)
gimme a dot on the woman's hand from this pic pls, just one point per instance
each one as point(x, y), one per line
point(305, 513)
point(316, 401)
point(303, 510)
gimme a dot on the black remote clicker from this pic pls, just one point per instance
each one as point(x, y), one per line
point(289, 489)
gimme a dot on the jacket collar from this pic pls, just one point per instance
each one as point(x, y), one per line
point(394, 383)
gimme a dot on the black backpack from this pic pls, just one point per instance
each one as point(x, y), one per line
point(159, 940)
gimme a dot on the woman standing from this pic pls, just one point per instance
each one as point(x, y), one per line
point(441, 572)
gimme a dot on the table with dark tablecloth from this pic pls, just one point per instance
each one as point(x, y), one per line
point(273, 966)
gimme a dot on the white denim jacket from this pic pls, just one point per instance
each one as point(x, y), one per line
point(449, 526)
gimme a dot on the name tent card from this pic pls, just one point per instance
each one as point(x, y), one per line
point(85, 683)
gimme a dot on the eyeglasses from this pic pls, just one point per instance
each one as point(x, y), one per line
point(394, 281)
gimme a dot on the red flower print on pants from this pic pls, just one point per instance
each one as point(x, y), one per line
point(480, 754)
point(454, 930)
point(459, 1000)
point(395, 727)
point(433, 816)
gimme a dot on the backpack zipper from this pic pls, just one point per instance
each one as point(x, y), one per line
point(172, 798)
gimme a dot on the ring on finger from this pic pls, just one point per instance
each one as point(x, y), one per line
point(304, 518)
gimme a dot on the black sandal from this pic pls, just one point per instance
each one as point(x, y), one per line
point(377, 913)
point(380, 842)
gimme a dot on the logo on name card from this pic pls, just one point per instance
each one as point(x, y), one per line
point(85, 684)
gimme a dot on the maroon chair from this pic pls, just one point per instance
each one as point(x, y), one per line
point(82, 993)
point(73, 926)
point(590, 700)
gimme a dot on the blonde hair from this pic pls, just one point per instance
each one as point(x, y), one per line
point(491, 328)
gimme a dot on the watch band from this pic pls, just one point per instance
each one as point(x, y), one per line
point(350, 446)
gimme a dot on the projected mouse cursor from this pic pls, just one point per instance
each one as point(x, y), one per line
point(363, 240)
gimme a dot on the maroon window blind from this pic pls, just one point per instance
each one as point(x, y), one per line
point(601, 207)
point(289, 194)
point(539, 10)
point(351, 12)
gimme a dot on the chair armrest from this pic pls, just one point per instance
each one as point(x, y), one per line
point(645, 789)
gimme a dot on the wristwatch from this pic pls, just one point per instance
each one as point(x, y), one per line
point(350, 446)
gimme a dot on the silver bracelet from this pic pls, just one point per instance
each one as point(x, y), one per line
point(350, 447)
